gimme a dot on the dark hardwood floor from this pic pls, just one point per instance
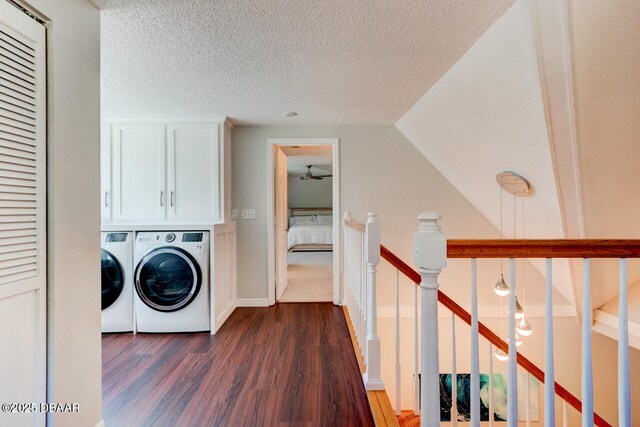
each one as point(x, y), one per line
point(286, 365)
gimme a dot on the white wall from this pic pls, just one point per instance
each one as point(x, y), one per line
point(74, 347)
point(379, 169)
point(312, 193)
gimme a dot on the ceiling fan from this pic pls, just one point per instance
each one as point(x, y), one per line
point(307, 176)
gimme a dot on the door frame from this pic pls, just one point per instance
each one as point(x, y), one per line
point(271, 243)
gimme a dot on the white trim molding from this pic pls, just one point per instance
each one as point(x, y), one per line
point(335, 152)
point(551, 25)
point(252, 302)
point(607, 324)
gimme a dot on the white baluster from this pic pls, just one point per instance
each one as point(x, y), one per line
point(454, 374)
point(360, 302)
point(564, 413)
point(416, 381)
point(398, 369)
point(624, 388)
point(365, 292)
point(430, 256)
point(363, 295)
point(347, 251)
point(549, 373)
point(372, 377)
point(475, 352)
point(491, 407)
point(587, 369)
point(527, 400)
point(512, 366)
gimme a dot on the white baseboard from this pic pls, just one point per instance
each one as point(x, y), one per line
point(252, 302)
point(101, 424)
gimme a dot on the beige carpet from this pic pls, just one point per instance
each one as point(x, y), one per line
point(310, 277)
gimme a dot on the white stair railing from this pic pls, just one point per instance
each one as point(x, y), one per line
point(362, 255)
point(361, 258)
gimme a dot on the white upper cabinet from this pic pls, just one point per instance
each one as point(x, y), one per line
point(165, 173)
point(138, 165)
point(105, 172)
point(193, 152)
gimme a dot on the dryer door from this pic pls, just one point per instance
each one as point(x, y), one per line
point(168, 279)
point(112, 279)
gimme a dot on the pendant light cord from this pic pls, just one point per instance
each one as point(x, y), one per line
point(524, 289)
point(501, 232)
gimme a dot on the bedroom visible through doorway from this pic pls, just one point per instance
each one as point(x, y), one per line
point(304, 229)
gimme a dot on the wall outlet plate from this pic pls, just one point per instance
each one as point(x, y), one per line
point(248, 214)
point(234, 213)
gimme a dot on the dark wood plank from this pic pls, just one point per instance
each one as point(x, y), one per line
point(286, 365)
point(544, 248)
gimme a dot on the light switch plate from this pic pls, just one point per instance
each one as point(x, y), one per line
point(234, 213)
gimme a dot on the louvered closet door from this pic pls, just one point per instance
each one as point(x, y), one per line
point(22, 215)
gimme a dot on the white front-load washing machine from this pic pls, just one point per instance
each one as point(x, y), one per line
point(117, 281)
point(172, 281)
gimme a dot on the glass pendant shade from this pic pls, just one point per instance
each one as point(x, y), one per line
point(524, 328)
point(518, 340)
point(501, 288)
point(519, 310)
point(501, 355)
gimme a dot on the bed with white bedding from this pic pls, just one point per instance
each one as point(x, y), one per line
point(310, 231)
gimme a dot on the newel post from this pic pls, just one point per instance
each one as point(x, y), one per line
point(372, 377)
point(430, 257)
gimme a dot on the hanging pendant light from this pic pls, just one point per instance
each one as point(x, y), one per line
point(524, 328)
point(518, 340)
point(519, 310)
point(501, 355)
point(501, 288)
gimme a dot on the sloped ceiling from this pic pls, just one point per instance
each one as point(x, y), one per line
point(489, 113)
point(485, 116)
point(332, 61)
point(606, 45)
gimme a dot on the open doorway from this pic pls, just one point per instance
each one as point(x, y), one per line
point(303, 184)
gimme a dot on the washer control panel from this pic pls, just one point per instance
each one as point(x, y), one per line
point(192, 237)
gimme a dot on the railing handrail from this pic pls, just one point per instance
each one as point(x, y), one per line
point(484, 331)
point(544, 248)
point(355, 225)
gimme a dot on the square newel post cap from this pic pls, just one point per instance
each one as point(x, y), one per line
point(429, 244)
point(373, 239)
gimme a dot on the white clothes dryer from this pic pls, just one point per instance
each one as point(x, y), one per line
point(117, 281)
point(172, 281)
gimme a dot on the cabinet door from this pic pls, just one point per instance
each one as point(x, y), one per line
point(139, 191)
point(105, 172)
point(193, 172)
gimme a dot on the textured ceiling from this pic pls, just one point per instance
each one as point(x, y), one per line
point(332, 61)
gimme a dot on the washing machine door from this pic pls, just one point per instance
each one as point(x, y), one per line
point(168, 279)
point(112, 279)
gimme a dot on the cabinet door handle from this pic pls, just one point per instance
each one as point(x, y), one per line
point(161, 198)
point(172, 199)
point(106, 199)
